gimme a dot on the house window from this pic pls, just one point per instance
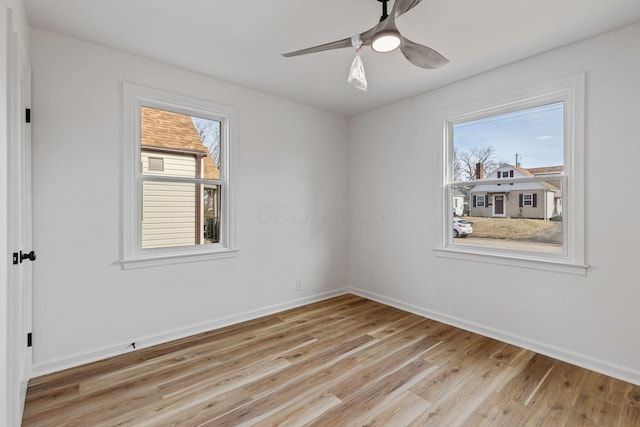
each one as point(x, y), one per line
point(156, 164)
point(178, 194)
point(532, 141)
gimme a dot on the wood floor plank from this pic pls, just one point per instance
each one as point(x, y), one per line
point(610, 390)
point(383, 349)
point(358, 405)
point(389, 329)
point(342, 361)
point(454, 370)
point(556, 398)
point(525, 384)
point(386, 364)
point(590, 411)
point(281, 396)
point(630, 417)
point(400, 411)
point(498, 410)
point(510, 355)
point(301, 412)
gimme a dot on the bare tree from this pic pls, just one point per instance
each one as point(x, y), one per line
point(209, 131)
point(464, 162)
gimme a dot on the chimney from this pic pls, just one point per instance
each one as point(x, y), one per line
point(479, 170)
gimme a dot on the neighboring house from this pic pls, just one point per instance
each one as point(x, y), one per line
point(173, 213)
point(539, 200)
point(458, 203)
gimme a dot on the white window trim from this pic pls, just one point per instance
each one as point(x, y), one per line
point(484, 201)
point(570, 90)
point(132, 256)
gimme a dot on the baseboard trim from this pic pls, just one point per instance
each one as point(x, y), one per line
point(620, 372)
point(151, 340)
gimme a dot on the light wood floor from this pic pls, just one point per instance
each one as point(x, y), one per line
point(344, 361)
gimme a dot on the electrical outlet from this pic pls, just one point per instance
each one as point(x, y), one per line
point(298, 285)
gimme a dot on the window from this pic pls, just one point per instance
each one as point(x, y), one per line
point(156, 164)
point(178, 194)
point(532, 141)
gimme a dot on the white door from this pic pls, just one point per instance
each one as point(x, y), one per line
point(20, 237)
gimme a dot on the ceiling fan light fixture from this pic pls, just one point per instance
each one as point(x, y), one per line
point(386, 41)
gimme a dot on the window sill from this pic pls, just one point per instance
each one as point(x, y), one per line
point(513, 260)
point(160, 260)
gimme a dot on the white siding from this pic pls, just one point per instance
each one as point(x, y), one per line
point(458, 205)
point(550, 195)
point(179, 165)
point(169, 208)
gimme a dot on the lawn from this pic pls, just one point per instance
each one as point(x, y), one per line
point(507, 228)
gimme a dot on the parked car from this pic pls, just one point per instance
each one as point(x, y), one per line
point(461, 227)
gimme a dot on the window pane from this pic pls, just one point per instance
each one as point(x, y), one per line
point(179, 214)
point(522, 144)
point(188, 147)
point(510, 145)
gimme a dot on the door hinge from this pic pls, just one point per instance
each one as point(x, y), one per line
point(29, 339)
point(16, 258)
point(28, 115)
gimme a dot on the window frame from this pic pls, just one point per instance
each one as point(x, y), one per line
point(156, 169)
point(524, 200)
point(571, 91)
point(132, 255)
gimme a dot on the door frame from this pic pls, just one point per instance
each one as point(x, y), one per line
point(504, 205)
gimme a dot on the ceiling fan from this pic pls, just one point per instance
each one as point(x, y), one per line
point(385, 37)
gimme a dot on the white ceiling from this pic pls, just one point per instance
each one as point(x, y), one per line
point(241, 41)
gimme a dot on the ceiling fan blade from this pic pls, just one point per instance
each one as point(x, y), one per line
point(366, 38)
point(404, 6)
point(339, 44)
point(421, 56)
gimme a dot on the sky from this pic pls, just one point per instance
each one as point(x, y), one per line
point(535, 134)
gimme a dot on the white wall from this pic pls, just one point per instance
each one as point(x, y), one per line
point(590, 320)
point(291, 180)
